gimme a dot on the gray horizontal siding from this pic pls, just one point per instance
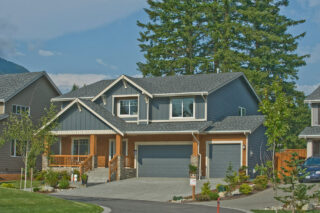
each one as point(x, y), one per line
point(315, 113)
point(73, 119)
point(226, 101)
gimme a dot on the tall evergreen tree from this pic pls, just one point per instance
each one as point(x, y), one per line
point(172, 38)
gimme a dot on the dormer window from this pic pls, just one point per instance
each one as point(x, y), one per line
point(128, 107)
point(182, 108)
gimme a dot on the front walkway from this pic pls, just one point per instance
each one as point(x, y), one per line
point(149, 189)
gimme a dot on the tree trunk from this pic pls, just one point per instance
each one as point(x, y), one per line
point(26, 167)
point(273, 170)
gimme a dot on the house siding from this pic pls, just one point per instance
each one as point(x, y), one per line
point(315, 114)
point(37, 96)
point(2, 108)
point(257, 149)
point(226, 101)
point(73, 119)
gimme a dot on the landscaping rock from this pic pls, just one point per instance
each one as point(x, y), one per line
point(308, 207)
point(236, 192)
point(222, 194)
point(46, 189)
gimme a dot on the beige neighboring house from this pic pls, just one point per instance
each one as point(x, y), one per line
point(22, 92)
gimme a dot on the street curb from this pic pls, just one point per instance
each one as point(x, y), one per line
point(225, 207)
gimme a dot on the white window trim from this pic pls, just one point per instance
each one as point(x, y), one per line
point(223, 142)
point(183, 118)
point(112, 140)
point(29, 112)
point(128, 98)
point(80, 138)
point(15, 150)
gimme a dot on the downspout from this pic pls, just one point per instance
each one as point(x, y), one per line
point(199, 170)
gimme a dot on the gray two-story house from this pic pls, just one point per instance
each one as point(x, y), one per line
point(156, 126)
point(312, 133)
point(26, 92)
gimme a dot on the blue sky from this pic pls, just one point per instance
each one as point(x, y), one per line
point(81, 41)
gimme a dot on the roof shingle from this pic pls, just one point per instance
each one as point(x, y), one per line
point(310, 131)
point(315, 95)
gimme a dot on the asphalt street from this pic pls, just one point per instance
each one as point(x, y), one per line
point(138, 206)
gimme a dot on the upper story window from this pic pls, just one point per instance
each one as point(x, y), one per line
point(128, 107)
point(182, 108)
point(18, 109)
point(242, 111)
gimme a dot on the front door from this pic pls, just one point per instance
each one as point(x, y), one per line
point(112, 148)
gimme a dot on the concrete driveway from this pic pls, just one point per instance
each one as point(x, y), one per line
point(149, 189)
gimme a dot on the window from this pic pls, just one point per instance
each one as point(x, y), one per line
point(14, 151)
point(18, 109)
point(182, 107)
point(128, 107)
point(80, 147)
point(242, 111)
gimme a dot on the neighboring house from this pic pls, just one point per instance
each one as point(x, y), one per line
point(29, 92)
point(312, 133)
point(156, 126)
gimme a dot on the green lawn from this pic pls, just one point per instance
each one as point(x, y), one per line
point(271, 211)
point(16, 183)
point(13, 200)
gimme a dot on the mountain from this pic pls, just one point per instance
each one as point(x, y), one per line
point(8, 67)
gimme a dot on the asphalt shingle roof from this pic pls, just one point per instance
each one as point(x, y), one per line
point(3, 116)
point(311, 131)
point(11, 84)
point(166, 84)
point(238, 123)
point(315, 95)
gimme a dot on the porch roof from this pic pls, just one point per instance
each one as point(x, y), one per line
point(311, 131)
point(3, 116)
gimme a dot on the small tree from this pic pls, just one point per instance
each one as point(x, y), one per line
point(74, 87)
point(231, 178)
point(296, 194)
point(29, 136)
point(276, 108)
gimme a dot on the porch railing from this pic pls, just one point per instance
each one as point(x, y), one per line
point(113, 167)
point(86, 165)
point(67, 160)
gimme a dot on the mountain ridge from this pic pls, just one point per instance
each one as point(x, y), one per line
point(8, 67)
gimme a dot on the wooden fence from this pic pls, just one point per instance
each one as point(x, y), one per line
point(284, 155)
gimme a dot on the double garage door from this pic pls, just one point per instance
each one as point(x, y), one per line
point(164, 160)
point(174, 160)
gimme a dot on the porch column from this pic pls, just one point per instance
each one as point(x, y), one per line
point(309, 148)
point(120, 170)
point(194, 157)
point(45, 161)
point(93, 149)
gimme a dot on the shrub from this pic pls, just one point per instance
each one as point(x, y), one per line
point(40, 175)
point(243, 177)
point(63, 184)
point(7, 185)
point(245, 189)
point(261, 182)
point(214, 195)
point(36, 189)
point(51, 178)
point(177, 198)
point(231, 178)
point(64, 175)
point(84, 177)
point(220, 188)
point(205, 189)
point(202, 197)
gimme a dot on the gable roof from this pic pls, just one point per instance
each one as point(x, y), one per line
point(201, 84)
point(309, 132)
point(12, 84)
point(314, 96)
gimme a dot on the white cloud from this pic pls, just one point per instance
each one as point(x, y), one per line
point(307, 89)
point(65, 81)
point(47, 19)
point(45, 53)
point(137, 75)
point(105, 64)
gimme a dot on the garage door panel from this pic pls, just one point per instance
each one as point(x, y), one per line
point(220, 156)
point(164, 160)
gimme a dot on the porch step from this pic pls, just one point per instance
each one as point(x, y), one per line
point(98, 175)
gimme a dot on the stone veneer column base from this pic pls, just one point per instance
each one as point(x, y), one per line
point(45, 162)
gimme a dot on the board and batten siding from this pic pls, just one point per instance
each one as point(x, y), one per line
point(73, 119)
point(119, 89)
point(315, 114)
point(160, 108)
point(226, 101)
point(257, 149)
